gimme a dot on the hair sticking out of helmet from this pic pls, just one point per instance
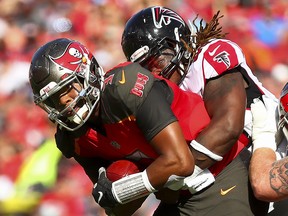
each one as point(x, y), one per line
point(154, 29)
point(206, 31)
point(64, 64)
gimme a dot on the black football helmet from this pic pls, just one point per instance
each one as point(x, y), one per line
point(56, 66)
point(154, 29)
point(283, 111)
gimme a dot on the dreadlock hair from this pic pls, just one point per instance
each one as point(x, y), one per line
point(211, 30)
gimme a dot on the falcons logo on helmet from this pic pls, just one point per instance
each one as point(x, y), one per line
point(163, 16)
point(223, 57)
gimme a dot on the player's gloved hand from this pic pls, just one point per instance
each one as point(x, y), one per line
point(264, 124)
point(175, 182)
point(102, 191)
point(199, 180)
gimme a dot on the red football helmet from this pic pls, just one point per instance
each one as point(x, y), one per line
point(283, 111)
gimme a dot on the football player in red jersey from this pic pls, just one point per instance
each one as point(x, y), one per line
point(126, 114)
point(268, 170)
point(207, 64)
point(129, 114)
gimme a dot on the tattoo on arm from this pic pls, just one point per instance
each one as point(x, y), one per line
point(279, 176)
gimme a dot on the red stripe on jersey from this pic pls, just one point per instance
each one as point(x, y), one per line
point(221, 56)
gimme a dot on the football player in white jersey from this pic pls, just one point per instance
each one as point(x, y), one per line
point(200, 60)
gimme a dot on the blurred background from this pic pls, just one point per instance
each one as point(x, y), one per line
point(27, 150)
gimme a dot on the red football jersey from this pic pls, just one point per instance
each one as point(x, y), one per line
point(135, 106)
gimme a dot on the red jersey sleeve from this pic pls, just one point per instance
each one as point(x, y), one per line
point(222, 56)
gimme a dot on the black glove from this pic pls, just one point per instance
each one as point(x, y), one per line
point(102, 191)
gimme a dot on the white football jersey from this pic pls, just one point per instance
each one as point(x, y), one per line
point(216, 58)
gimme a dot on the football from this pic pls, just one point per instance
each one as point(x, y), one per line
point(120, 169)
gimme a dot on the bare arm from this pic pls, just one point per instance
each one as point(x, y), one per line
point(174, 156)
point(165, 136)
point(269, 177)
point(225, 101)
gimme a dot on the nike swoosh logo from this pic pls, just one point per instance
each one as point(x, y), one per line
point(123, 80)
point(100, 196)
point(224, 192)
point(214, 51)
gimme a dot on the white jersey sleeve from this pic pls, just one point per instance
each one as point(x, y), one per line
point(216, 58)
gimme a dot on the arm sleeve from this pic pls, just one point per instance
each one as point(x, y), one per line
point(155, 112)
point(220, 57)
point(64, 143)
point(142, 96)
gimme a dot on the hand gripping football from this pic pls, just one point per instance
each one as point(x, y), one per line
point(120, 169)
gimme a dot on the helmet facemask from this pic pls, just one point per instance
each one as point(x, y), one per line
point(179, 62)
point(80, 109)
point(282, 131)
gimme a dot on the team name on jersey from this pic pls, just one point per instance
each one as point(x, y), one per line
point(139, 86)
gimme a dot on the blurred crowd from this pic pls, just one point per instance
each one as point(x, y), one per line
point(35, 180)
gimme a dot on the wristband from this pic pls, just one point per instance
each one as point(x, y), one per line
point(197, 146)
point(132, 187)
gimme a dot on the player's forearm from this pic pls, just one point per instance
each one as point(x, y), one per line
point(174, 157)
point(225, 101)
point(162, 170)
point(218, 139)
point(268, 178)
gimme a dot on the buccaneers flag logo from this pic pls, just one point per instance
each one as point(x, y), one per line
point(73, 55)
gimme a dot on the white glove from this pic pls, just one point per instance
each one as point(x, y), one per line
point(264, 124)
point(199, 180)
point(175, 182)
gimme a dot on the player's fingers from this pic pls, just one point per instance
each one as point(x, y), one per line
point(270, 104)
point(258, 109)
